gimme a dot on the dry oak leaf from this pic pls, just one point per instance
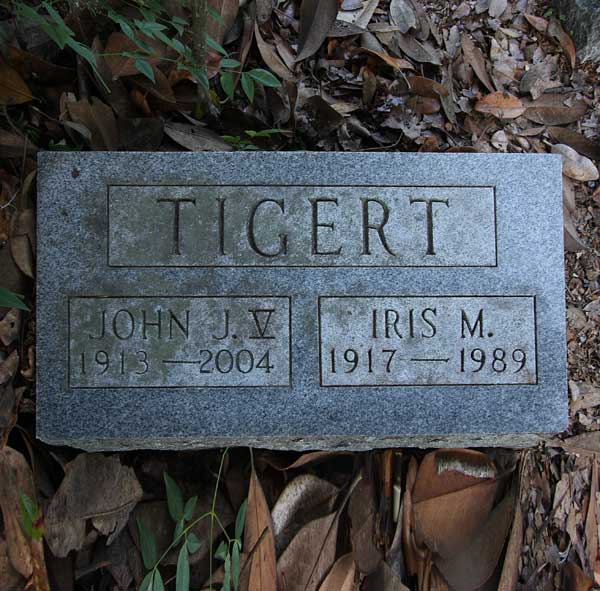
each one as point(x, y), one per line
point(26, 555)
point(95, 487)
point(576, 166)
point(259, 530)
point(13, 90)
point(501, 105)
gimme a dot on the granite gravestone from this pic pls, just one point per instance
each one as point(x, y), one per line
point(299, 300)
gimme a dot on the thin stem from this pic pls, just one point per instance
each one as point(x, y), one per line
point(213, 507)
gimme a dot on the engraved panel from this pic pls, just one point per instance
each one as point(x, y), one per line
point(433, 340)
point(301, 226)
point(128, 342)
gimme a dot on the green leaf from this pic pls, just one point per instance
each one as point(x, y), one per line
point(145, 68)
point(182, 579)
point(178, 530)
point(147, 545)
point(174, 498)
point(193, 543)
point(148, 582)
point(190, 507)
point(248, 86)
point(227, 84)
point(180, 21)
point(8, 299)
point(222, 551)
point(227, 574)
point(85, 52)
point(229, 63)
point(199, 74)
point(235, 566)
point(216, 15)
point(265, 77)
point(159, 585)
point(240, 520)
point(214, 45)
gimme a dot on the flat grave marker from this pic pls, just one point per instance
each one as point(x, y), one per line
point(299, 300)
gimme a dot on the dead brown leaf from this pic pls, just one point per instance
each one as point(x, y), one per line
point(305, 498)
point(98, 119)
point(402, 14)
point(272, 59)
point(316, 18)
point(537, 22)
point(510, 569)
point(556, 32)
point(476, 562)
point(26, 555)
point(591, 525)
point(95, 487)
point(453, 494)
point(501, 105)
point(394, 62)
point(341, 576)
point(309, 555)
point(426, 87)
point(228, 10)
point(553, 111)
point(577, 141)
point(195, 137)
point(474, 57)
point(121, 65)
point(13, 90)
point(13, 145)
point(574, 579)
point(263, 565)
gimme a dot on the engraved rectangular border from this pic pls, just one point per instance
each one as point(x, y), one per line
point(308, 185)
point(71, 297)
point(379, 296)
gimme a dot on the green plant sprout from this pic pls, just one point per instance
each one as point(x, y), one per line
point(158, 25)
point(243, 144)
point(182, 514)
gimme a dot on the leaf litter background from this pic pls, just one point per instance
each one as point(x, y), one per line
point(408, 75)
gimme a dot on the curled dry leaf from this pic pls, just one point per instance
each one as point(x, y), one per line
point(537, 22)
point(316, 18)
point(259, 530)
point(501, 105)
point(453, 494)
point(575, 165)
point(95, 487)
point(341, 576)
point(26, 555)
point(305, 498)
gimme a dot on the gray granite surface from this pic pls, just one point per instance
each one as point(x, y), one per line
point(299, 300)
